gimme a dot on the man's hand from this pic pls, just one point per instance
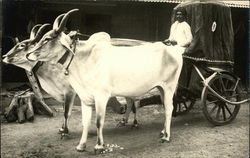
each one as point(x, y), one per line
point(186, 52)
point(167, 42)
point(170, 42)
point(173, 42)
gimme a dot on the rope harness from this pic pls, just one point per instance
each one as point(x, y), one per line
point(64, 58)
point(208, 61)
point(72, 56)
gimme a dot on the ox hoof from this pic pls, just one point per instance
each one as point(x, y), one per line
point(81, 148)
point(135, 126)
point(164, 137)
point(30, 118)
point(121, 123)
point(64, 135)
point(161, 135)
point(165, 140)
point(63, 130)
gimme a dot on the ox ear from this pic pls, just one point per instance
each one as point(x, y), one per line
point(66, 42)
point(16, 40)
point(34, 31)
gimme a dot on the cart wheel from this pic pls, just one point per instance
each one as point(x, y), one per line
point(183, 102)
point(215, 110)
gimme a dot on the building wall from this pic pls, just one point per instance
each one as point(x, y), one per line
point(241, 19)
point(145, 21)
point(134, 20)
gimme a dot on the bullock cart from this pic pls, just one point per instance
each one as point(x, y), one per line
point(208, 67)
point(207, 72)
point(220, 91)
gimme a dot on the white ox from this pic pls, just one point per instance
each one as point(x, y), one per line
point(100, 70)
point(50, 76)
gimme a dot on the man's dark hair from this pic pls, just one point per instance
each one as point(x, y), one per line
point(183, 10)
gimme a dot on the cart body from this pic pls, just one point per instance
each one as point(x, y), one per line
point(208, 64)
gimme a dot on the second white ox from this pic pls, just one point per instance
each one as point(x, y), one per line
point(100, 70)
point(50, 76)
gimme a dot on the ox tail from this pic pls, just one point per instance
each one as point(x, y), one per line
point(133, 108)
point(156, 99)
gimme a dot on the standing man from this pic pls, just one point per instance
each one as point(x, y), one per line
point(180, 32)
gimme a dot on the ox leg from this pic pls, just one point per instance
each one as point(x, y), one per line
point(135, 106)
point(167, 98)
point(100, 105)
point(68, 104)
point(162, 100)
point(86, 119)
point(128, 111)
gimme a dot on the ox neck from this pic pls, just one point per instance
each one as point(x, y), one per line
point(36, 67)
point(68, 56)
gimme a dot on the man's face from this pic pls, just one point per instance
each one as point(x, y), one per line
point(179, 16)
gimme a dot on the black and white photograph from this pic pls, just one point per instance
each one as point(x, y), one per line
point(124, 78)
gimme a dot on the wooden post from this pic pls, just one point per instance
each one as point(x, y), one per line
point(37, 92)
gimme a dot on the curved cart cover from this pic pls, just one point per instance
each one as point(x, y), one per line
point(212, 29)
point(213, 37)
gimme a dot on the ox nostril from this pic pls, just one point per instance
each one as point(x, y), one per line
point(5, 60)
point(10, 60)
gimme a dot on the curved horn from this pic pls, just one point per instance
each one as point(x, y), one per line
point(64, 20)
point(16, 40)
point(34, 30)
point(57, 21)
point(40, 32)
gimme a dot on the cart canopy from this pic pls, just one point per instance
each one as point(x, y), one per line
point(212, 29)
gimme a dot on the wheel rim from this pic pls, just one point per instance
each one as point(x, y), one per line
point(216, 111)
point(183, 102)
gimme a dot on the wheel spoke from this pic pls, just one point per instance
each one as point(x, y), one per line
point(213, 109)
point(185, 105)
point(228, 110)
point(183, 101)
point(218, 113)
point(179, 107)
point(222, 84)
point(212, 95)
point(226, 84)
point(215, 88)
point(212, 102)
point(224, 113)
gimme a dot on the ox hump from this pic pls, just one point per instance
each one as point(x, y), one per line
point(99, 37)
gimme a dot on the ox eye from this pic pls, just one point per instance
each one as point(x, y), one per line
point(47, 38)
point(21, 46)
point(45, 41)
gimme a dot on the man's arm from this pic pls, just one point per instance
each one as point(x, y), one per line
point(171, 32)
point(170, 40)
point(188, 37)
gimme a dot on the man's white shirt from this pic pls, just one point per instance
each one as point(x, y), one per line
point(181, 33)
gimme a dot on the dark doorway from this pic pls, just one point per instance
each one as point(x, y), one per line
point(98, 22)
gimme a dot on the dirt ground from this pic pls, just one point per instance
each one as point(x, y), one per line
point(192, 136)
